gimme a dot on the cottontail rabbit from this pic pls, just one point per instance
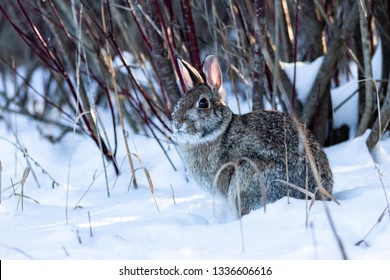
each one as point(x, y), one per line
point(239, 153)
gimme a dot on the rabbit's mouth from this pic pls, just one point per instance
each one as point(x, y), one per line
point(181, 134)
point(179, 129)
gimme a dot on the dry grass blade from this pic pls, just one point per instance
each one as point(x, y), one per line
point(90, 224)
point(65, 251)
point(110, 67)
point(302, 190)
point(147, 174)
point(222, 168)
point(26, 172)
point(13, 188)
point(22, 149)
point(324, 193)
point(306, 188)
point(23, 181)
point(173, 195)
point(387, 210)
point(384, 213)
point(327, 194)
point(148, 177)
point(235, 166)
point(17, 250)
point(120, 169)
point(313, 167)
point(26, 197)
point(78, 236)
point(30, 161)
point(21, 195)
point(100, 147)
point(133, 176)
point(286, 153)
point(85, 193)
point(14, 193)
point(313, 200)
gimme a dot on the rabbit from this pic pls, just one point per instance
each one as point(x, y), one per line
point(237, 154)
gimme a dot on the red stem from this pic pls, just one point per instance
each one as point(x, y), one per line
point(62, 25)
point(191, 42)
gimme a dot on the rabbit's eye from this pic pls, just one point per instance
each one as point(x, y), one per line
point(203, 103)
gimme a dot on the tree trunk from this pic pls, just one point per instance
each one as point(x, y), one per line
point(380, 124)
point(258, 66)
point(278, 17)
point(313, 48)
point(382, 16)
point(359, 56)
point(321, 123)
point(341, 29)
point(311, 31)
point(369, 100)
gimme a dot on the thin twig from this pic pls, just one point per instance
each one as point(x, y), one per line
point(384, 212)
point(90, 224)
point(112, 72)
point(17, 250)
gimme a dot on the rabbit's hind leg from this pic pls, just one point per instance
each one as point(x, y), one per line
point(246, 189)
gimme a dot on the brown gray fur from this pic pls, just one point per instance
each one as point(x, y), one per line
point(209, 136)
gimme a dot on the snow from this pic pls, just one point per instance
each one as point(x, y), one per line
point(305, 76)
point(77, 220)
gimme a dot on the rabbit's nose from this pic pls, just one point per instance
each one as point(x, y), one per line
point(179, 127)
point(176, 126)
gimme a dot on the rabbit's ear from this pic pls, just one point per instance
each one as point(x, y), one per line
point(190, 75)
point(212, 72)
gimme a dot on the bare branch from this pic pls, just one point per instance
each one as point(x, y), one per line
point(369, 100)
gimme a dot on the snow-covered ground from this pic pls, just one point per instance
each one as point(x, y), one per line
point(183, 221)
point(77, 220)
